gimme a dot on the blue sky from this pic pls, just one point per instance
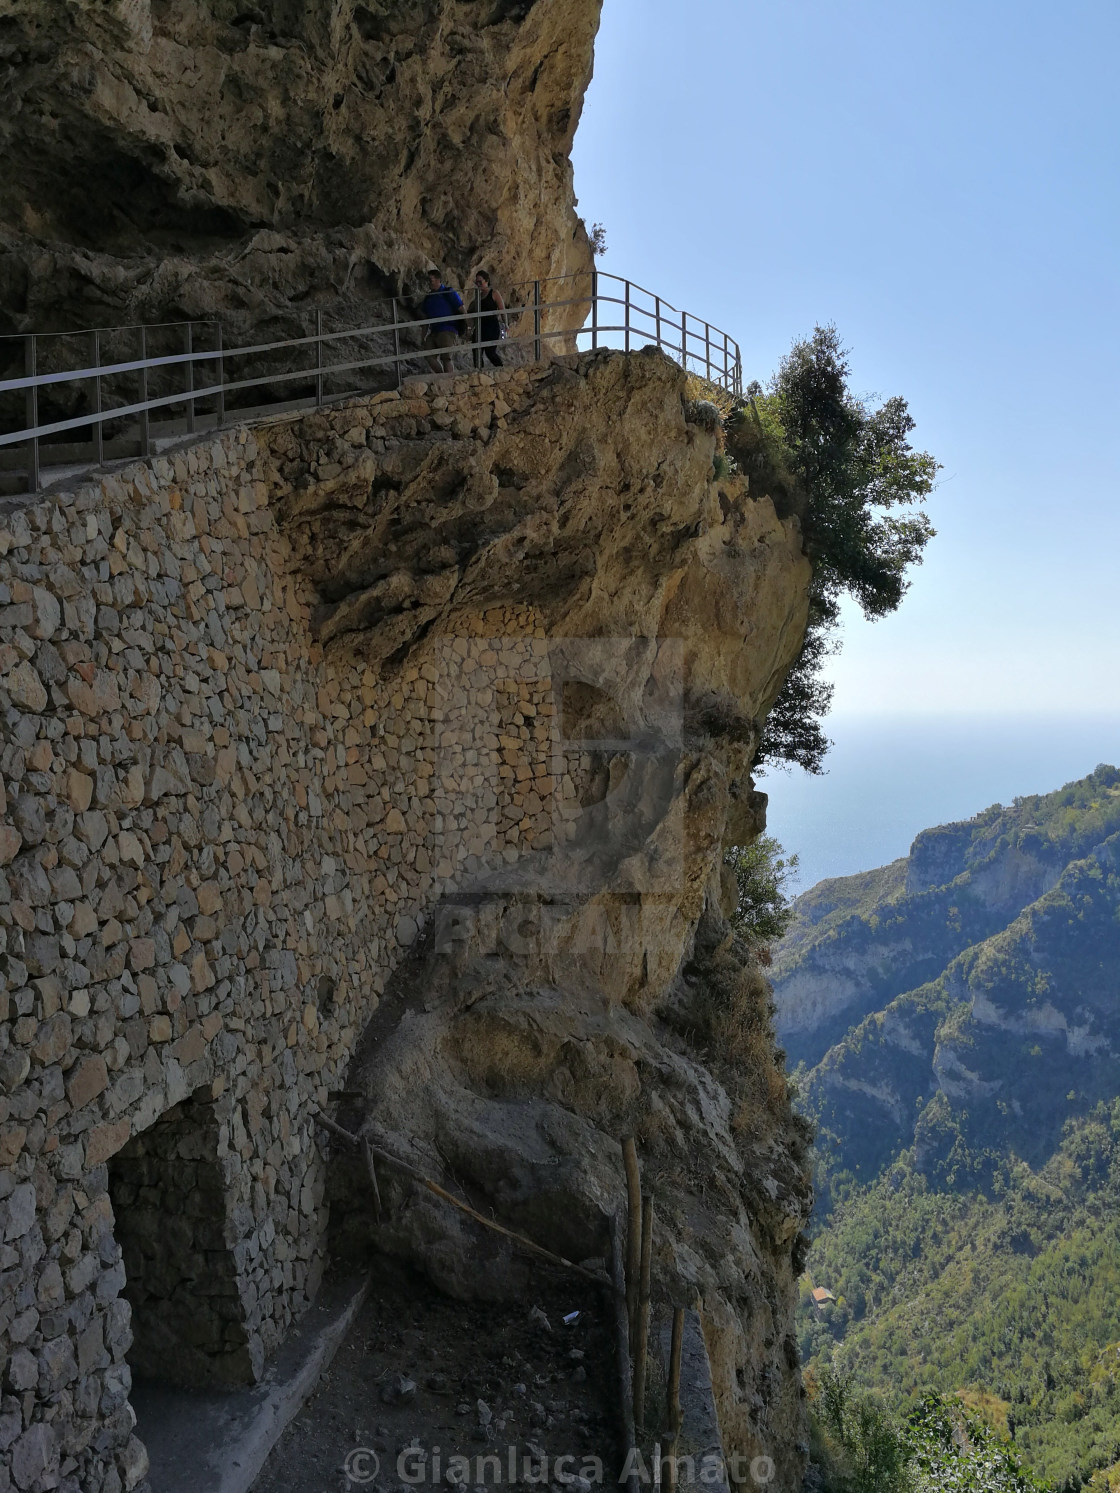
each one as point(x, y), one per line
point(939, 179)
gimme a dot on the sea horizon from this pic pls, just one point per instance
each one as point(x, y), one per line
point(890, 775)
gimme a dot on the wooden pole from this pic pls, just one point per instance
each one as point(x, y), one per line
point(622, 1349)
point(633, 1229)
point(377, 1154)
point(673, 1399)
point(641, 1346)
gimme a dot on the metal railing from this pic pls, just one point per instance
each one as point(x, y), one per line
point(208, 381)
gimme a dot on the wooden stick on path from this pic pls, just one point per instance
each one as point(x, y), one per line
point(633, 1228)
point(364, 1143)
point(372, 1169)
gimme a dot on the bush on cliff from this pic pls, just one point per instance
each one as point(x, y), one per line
point(762, 871)
point(848, 471)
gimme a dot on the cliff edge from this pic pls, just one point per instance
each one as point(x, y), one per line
point(376, 761)
point(380, 760)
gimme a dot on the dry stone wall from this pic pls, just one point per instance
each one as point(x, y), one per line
point(214, 846)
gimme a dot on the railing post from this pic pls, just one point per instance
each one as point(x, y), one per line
point(478, 357)
point(726, 366)
point(99, 428)
point(684, 340)
point(536, 321)
point(221, 411)
point(594, 309)
point(626, 317)
point(30, 359)
point(319, 358)
point(145, 428)
point(190, 378)
point(708, 351)
point(396, 343)
point(657, 316)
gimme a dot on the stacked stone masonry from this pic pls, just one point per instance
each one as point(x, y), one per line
point(213, 847)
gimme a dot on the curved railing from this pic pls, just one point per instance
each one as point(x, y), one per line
point(95, 391)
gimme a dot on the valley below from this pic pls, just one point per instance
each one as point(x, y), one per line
point(952, 1026)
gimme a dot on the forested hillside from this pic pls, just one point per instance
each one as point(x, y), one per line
point(968, 1118)
point(1011, 1294)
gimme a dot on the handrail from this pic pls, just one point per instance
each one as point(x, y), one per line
point(691, 341)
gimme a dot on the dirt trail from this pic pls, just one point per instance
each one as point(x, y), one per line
point(430, 1392)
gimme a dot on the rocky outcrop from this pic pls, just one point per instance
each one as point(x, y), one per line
point(170, 161)
point(580, 992)
point(978, 1010)
point(859, 941)
point(389, 750)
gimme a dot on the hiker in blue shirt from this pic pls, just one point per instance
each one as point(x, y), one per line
point(447, 305)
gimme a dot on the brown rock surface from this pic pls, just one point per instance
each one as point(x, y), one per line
point(184, 160)
point(592, 988)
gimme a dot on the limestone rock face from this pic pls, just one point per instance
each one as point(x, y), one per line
point(590, 988)
point(175, 159)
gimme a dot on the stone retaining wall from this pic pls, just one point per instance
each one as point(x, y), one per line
point(214, 845)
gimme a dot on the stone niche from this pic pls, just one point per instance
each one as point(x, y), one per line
point(176, 1238)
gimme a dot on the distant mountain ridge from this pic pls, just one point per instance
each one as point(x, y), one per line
point(962, 1001)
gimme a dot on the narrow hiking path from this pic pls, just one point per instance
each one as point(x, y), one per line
point(431, 1392)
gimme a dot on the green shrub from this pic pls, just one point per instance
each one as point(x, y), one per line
point(705, 413)
point(854, 1443)
point(762, 871)
point(942, 1449)
point(847, 471)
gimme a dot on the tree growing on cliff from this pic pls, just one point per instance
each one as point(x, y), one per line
point(762, 872)
point(849, 472)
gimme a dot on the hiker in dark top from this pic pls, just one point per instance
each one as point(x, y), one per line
point(444, 307)
point(487, 327)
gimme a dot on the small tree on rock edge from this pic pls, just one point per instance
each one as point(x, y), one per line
point(849, 472)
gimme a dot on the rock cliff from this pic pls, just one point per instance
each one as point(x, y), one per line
point(966, 991)
point(393, 757)
point(386, 752)
point(591, 988)
point(178, 160)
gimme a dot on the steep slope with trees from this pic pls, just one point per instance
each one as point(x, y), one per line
point(958, 1012)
